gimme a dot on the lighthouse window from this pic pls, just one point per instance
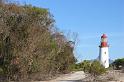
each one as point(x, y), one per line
point(105, 52)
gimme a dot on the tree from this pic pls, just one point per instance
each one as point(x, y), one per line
point(118, 63)
point(27, 45)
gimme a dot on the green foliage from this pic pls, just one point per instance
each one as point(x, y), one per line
point(118, 63)
point(35, 10)
point(39, 10)
point(86, 65)
point(96, 68)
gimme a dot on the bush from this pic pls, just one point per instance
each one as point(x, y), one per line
point(92, 67)
point(96, 68)
point(30, 45)
point(86, 65)
point(118, 63)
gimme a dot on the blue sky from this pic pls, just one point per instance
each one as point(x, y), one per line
point(90, 19)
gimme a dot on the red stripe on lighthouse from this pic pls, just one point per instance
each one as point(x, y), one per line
point(104, 41)
point(104, 44)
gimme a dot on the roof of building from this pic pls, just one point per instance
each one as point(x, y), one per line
point(104, 36)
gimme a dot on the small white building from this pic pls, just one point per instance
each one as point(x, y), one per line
point(104, 52)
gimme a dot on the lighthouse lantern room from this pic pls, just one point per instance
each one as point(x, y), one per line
point(103, 51)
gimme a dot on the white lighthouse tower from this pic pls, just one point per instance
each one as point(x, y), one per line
point(103, 51)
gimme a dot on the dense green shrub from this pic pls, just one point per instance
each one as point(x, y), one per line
point(96, 68)
point(92, 67)
point(118, 63)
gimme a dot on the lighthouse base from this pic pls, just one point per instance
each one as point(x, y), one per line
point(104, 56)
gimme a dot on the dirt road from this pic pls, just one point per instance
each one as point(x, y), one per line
point(71, 77)
point(80, 76)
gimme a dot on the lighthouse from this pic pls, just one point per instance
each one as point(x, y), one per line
point(103, 51)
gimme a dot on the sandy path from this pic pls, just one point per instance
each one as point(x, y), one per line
point(80, 76)
point(72, 77)
point(121, 78)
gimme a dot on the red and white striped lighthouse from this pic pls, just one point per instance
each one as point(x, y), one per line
point(103, 52)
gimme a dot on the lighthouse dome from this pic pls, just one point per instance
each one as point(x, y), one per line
point(104, 36)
